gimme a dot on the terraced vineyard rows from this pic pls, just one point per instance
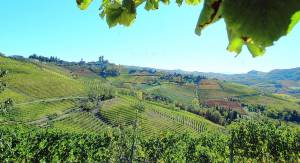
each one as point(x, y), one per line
point(80, 122)
point(154, 119)
point(196, 125)
point(38, 81)
point(35, 111)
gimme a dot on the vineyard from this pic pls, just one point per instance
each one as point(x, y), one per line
point(245, 144)
point(39, 81)
point(154, 119)
point(183, 94)
point(79, 122)
point(34, 111)
point(110, 119)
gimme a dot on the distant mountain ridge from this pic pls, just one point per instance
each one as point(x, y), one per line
point(275, 81)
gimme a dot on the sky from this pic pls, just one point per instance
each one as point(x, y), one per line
point(163, 38)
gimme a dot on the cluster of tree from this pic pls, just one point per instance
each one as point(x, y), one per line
point(258, 108)
point(158, 98)
point(144, 70)
point(284, 114)
point(6, 105)
point(217, 115)
point(247, 141)
point(96, 94)
point(17, 57)
point(87, 104)
point(180, 79)
point(45, 59)
point(108, 71)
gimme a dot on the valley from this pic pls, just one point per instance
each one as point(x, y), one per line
point(102, 97)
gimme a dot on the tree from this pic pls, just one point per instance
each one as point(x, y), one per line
point(254, 23)
point(88, 105)
point(100, 92)
point(8, 104)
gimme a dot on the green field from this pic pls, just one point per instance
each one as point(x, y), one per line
point(273, 102)
point(179, 93)
point(39, 110)
point(31, 81)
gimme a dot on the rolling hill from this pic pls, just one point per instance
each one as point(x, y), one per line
point(50, 95)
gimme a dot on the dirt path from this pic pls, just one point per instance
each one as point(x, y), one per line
point(44, 120)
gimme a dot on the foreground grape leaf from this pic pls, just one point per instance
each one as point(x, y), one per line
point(152, 5)
point(255, 49)
point(83, 4)
point(258, 22)
point(211, 12)
point(117, 12)
point(295, 19)
point(192, 2)
point(235, 41)
point(179, 2)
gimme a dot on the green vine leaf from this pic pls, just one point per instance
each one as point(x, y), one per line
point(117, 12)
point(295, 19)
point(254, 23)
point(152, 5)
point(255, 49)
point(211, 12)
point(179, 2)
point(259, 23)
point(235, 42)
point(192, 2)
point(83, 4)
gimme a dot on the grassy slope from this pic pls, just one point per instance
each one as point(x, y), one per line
point(272, 102)
point(34, 81)
point(35, 111)
point(29, 82)
point(213, 89)
point(37, 80)
point(184, 94)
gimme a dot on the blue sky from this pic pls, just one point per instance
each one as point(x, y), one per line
point(162, 39)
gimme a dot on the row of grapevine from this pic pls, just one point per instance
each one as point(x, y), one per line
point(248, 141)
point(154, 119)
point(80, 122)
point(196, 125)
point(34, 111)
point(38, 80)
